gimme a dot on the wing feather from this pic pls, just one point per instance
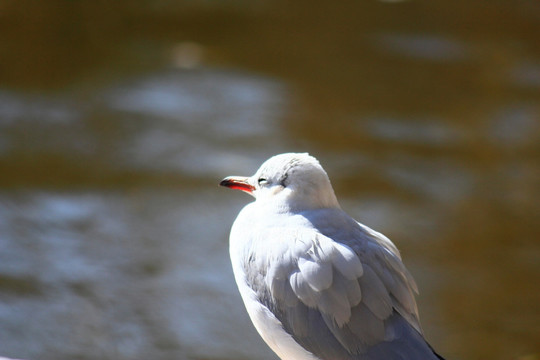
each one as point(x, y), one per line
point(350, 287)
point(302, 289)
point(366, 326)
point(376, 296)
point(347, 262)
point(355, 292)
point(318, 274)
point(336, 305)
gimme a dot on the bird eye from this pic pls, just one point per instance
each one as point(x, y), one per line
point(262, 181)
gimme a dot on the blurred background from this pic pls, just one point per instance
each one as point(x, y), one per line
point(119, 119)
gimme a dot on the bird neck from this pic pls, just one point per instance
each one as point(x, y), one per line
point(305, 199)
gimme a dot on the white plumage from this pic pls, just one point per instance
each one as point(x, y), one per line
point(316, 283)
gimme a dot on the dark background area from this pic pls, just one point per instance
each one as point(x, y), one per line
point(119, 119)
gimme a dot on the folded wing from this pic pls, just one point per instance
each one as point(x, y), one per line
point(342, 303)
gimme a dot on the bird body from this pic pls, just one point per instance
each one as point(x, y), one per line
point(317, 284)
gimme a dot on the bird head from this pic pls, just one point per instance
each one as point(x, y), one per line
point(292, 181)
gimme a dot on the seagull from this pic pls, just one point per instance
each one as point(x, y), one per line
point(317, 284)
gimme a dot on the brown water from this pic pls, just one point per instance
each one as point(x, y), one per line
point(117, 121)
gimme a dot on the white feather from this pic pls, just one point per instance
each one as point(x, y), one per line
point(306, 270)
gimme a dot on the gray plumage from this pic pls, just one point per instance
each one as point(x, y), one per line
point(316, 283)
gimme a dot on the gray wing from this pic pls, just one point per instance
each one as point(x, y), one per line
point(343, 303)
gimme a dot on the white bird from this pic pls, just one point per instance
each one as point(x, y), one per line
point(317, 284)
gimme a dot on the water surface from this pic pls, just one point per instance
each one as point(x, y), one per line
point(118, 121)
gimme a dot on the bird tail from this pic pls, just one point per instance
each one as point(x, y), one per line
point(437, 355)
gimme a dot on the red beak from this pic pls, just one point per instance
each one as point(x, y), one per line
point(237, 183)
